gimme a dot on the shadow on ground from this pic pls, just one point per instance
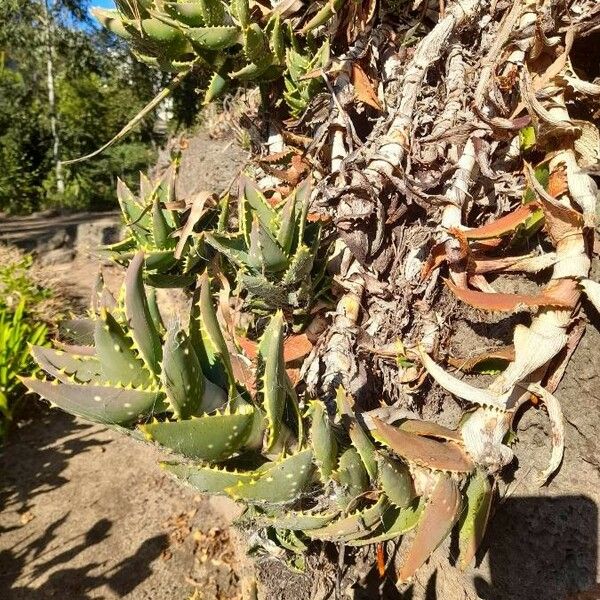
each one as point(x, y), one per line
point(58, 559)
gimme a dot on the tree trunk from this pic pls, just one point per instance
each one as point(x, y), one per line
point(49, 33)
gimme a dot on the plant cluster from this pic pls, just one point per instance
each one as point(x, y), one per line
point(336, 451)
point(24, 321)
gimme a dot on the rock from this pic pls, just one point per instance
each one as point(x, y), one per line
point(58, 256)
point(97, 233)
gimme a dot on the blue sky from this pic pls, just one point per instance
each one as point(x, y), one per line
point(103, 3)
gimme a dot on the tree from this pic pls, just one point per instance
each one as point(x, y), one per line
point(403, 143)
point(62, 84)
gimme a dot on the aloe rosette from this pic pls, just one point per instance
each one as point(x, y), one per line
point(163, 228)
point(274, 250)
point(235, 41)
point(330, 477)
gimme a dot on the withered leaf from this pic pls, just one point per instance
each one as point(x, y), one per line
point(440, 515)
point(422, 451)
point(364, 89)
point(506, 224)
point(507, 302)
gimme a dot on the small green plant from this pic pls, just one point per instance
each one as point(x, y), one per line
point(17, 334)
point(16, 282)
point(274, 250)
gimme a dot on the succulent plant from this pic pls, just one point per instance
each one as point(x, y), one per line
point(236, 42)
point(338, 480)
point(161, 227)
point(273, 251)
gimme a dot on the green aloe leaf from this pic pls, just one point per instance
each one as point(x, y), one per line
point(143, 328)
point(323, 440)
point(207, 338)
point(99, 404)
point(120, 363)
point(181, 376)
point(67, 367)
point(209, 438)
point(205, 479)
point(281, 482)
point(272, 382)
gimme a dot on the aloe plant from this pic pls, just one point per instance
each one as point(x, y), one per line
point(162, 227)
point(235, 41)
point(179, 389)
point(274, 249)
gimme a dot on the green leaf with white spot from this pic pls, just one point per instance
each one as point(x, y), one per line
point(210, 438)
point(279, 483)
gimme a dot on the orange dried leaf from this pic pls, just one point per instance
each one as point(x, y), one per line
point(438, 519)
point(430, 429)
point(296, 347)
point(506, 302)
point(506, 224)
point(364, 90)
point(557, 182)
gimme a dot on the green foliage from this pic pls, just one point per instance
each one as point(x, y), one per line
point(16, 283)
point(20, 297)
point(274, 250)
point(233, 40)
point(98, 89)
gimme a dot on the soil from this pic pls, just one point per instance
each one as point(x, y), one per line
point(88, 514)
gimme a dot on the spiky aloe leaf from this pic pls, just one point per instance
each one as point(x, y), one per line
point(352, 475)
point(330, 8)
point(271, 294)
point(213, 12)
point(253, 202)
point(67, 367)
point(232, 246)
point(354, 526)
point(272, 376)
point(111, 20)
point(214, 38)
point(323, 440)
point(181, 376)
point(79, 331)
point(219, 83)
point(264, 252)
point(394, 522)
point(161, 230)
point(423, 451)
point(282, 482)
point(297, 520)
point(438, 519)
point(240, 10)
point(277, 40)
point(256, 46)
point(141, 324)
point(287, 228)
point(120, 364)
point(299, 266)
point(209, 480)
point(189, 13)
point(365, 447)
point(395, 481)
point(211, 438)
point(473, 521)
point(96, 403)
point(207, 338)
point(137, 218)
